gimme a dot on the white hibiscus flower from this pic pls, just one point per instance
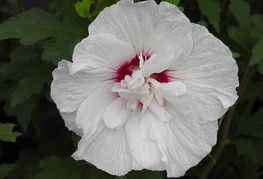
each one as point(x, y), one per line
point(145, 89)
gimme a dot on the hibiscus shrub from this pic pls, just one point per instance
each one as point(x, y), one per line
point(36, 35)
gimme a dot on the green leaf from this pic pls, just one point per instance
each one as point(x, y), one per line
point(6, 133)
point(203, 23)
point(32, 83)
point(24, 54)
point(36, 24)
point(211, 9)
point(20, 62)
point(14, 68)
point(235, 54)
point(101, 4)
point(241, 12)
point(83, 8)
point(55, 52)
point(27, 163)
point(5, 169)
point(257, 54)
point(22, 112)
point(58, 168)
point(257, 26)
point(174, 2)
point(67, 9)
point(240, 36)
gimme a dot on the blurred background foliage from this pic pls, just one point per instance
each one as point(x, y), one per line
point(36, 34)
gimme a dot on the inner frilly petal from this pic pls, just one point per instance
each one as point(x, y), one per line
point(151, 127)
point(160, 62)
point(116, 114)
point(159, 111)
point(145, 152)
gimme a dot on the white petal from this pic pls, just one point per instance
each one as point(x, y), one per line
point(136, 165)
point(192, 106)
point(151, 128)
point(145, 152)
point(171, 13)
point(70, 122)
point(116, 113)
point(90, 113)
point(187, 144)
point(210, 69)
point(107, 151)
point(132, 104)
point(160, 112)
point(173, 89)
point(101, 54)
point(127, 93)
point(156, 90)
point(160, 62)
point(148, 27)
point(137, 80)
point(69, 91)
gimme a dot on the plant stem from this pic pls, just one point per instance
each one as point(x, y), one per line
point(224, 130)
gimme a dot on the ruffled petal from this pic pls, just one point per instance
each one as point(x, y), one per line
point(145, 152)
point(116, 113)
point(90, 112)
point(101, 54)
point(151, 128)
point(164, 59)
point(194, 106)
point(171, 13)
point(210, 72)
point(127, 93)
point(186, 144)
point(107, 149)
point(70, 122)
point(159, 111)
point(148, 27)
point(172, 89)
point(68, 91)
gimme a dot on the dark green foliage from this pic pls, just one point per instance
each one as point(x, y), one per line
point(63, 34)
point(34, 37)
point(59, 168)
point(6, 133)
point(5, 169)
point(213, 16)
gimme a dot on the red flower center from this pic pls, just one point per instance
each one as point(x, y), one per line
point(127, 67)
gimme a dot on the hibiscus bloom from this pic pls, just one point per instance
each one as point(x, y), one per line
point(145, 89)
